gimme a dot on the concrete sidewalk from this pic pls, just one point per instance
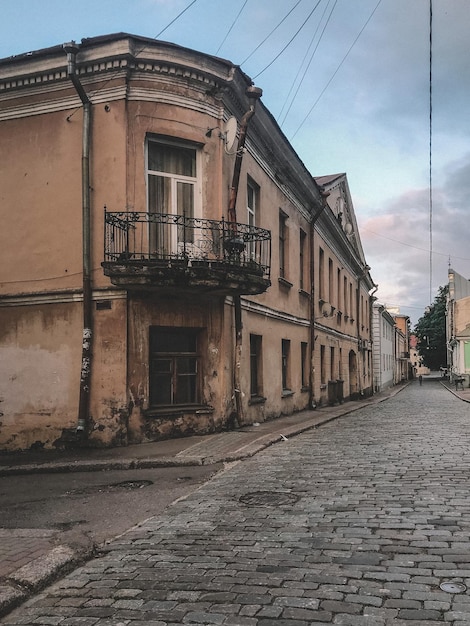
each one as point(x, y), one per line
point(32, 558)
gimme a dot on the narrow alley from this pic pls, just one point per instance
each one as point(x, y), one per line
point(364, 521)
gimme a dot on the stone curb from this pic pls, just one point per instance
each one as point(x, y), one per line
point(244, 452)
point(454, 392)
point(34, 576)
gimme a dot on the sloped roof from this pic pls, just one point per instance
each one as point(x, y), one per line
point(327, 180)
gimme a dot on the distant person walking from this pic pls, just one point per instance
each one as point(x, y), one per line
point(420, 378)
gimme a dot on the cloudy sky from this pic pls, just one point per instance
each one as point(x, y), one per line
point(349, 83)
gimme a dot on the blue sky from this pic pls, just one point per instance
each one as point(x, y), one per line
point(359, 104)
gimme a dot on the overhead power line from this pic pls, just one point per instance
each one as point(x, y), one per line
point(430, 151)
point(174, 19)
point(309, 63)
point(409, 245)
point(290, 41)
point(337, 70)
point(231, 27)
point(273, 31)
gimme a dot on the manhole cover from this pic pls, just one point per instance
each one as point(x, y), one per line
point(451, 587)
point(268, 498)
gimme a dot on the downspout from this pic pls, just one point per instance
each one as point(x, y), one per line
point(71, 50)
point(253, 93)
point(358, 328)
point(372, 298)
point(358, 332)
point(324, 194)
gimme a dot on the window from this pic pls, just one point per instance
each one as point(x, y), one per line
point(332, 364)
point(283, 244)
point(322, 365)
point(321, 274)
point(255, 366)
point(252, 201)
point(338, 289)
point(330, 281)
point(302, 257)
point(172, 182)
point(174, 362)
point(285, 365)
point(304, 365)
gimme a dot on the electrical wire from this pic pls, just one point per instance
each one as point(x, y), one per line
point(174, 20)
point(336, 71)
point(290, 41)
point(409, 245)
point(93, 93)
point(430, 151)
point(272, 32)
point(231, 27)
point(309, 63)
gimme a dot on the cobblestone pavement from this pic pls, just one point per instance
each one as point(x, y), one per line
point(356, 523)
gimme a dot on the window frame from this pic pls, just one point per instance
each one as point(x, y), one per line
point(285, 366)
point(176, 376)
point(283, 244)
point(252, 201)
point(304, 368)
point(256, 362)
point(302, 257)
point(165, 239)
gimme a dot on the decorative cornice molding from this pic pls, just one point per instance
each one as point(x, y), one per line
point(34, 299)
point(260, 309)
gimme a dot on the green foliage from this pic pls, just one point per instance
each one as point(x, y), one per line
point(431, 332)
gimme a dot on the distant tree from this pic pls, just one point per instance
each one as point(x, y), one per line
point(431, 332)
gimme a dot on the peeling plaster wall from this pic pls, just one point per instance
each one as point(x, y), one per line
point(204, 313)
point(109, 407)
point(39, 366)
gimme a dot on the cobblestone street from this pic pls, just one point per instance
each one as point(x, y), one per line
point(358, 522)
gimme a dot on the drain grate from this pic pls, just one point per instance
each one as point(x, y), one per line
point(268, 498)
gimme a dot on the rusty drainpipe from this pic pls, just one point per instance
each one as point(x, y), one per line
point(71, 50)
point(253, 93)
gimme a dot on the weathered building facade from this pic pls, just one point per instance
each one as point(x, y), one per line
point(342, 295)
point(384, 358)
point(458, 327)
point(403, 370)
point(158, 274)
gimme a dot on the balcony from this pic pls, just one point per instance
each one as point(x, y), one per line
point(150, 251)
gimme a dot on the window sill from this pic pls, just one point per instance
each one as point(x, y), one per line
point(287, 393)
point(257, 400)
point(177, 410)
point(285, 283)
point(304, 389)
point(304, 293)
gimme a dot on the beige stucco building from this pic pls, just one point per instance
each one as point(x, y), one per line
point(458, 327)
point(168, 264)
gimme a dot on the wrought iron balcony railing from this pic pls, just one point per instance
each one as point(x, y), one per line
point(157, 248)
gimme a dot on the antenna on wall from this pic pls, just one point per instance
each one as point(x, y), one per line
point(230, 133)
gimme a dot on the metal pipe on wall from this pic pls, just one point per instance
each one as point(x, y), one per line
point(71, 50)
point(253, 93)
